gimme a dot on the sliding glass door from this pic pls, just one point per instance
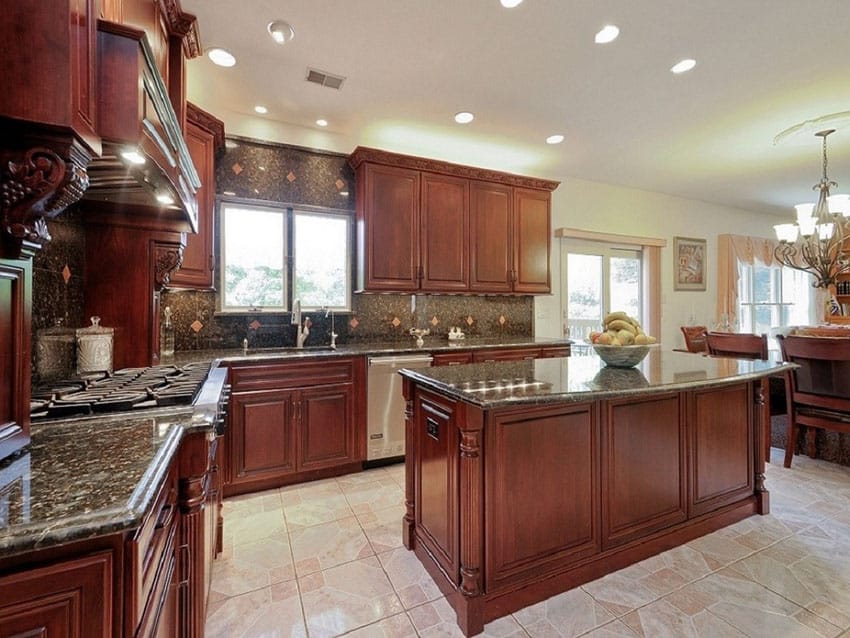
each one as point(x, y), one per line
point(598, 278)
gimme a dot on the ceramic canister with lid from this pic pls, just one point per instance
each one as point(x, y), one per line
point(94, 348)
point(54, 352)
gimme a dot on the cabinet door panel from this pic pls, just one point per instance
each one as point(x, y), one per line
point(721, 447)
point(196, 271)
point(15, 329)
point(59, 600)
point(643, 468)
point(490, 214)
point(548, 472)
point(326, 427)
point(444, 230)
point(532, 229)
point(262, 435)
point(391, 215)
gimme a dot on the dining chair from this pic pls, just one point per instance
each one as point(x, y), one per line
point(739, 345)
point(695, 338)
point(819, 388)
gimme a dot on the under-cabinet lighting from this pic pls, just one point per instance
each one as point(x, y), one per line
point(134, 157)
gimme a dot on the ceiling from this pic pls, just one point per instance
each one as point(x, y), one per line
point(528, 72)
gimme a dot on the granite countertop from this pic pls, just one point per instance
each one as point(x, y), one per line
point(85, 478)
point(573, 379)
point(433, 344)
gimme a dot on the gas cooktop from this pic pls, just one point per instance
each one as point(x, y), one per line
point(124, 390)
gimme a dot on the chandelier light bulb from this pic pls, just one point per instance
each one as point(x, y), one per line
point(807, 226)
point(804, 211)
point(825, 231)
point(839, 204)
point(786, 232)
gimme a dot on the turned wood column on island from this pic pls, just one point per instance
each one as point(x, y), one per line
point(525, 479)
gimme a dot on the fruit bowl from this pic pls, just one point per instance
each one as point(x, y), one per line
point(622, 356)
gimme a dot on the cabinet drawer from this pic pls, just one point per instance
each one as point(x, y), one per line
point(452, 358)
point(150, 549)
point(506, 354)
point(289, 375)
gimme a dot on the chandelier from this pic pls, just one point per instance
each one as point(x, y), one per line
point(814, 244)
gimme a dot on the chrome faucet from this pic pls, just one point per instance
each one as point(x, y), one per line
point(303, 330)
point(334, 335)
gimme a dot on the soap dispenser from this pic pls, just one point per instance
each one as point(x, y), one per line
point(166, 334)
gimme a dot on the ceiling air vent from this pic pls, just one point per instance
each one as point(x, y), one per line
point(325, 79)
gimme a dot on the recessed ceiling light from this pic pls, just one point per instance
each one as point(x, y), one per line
point(555, 139)
point(464, 117)
point(164, 199)
point(280, 31)
point(321, 122)
point(262, 110)
point(221, 57)
point(510, 4)
point(607, 34)
point(685, 65)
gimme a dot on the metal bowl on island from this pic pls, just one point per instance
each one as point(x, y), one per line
point(623, 356)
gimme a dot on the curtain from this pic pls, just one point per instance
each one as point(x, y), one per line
point(730, 250)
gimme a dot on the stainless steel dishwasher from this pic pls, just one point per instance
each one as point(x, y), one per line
point(386, 404)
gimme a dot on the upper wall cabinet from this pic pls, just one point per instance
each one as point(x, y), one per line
point(205, 139)
point(430, 226)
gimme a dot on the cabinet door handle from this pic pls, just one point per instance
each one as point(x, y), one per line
point(212, 262)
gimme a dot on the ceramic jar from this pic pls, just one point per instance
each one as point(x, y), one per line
point(54, 352)
point(94, 348)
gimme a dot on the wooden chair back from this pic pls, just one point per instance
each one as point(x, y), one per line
point(819, 388)
point(695, 338)
point(740, 346)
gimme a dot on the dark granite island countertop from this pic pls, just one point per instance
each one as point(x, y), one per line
point(572, 379)
point(85, 478)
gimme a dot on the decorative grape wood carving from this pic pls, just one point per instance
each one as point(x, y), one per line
point(169, 258)
point(36, 183)
point(375, 156)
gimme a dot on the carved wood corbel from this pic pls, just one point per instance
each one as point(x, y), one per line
point(36, 183)
point(168, 259)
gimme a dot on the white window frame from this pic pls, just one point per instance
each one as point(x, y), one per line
point(288, 212)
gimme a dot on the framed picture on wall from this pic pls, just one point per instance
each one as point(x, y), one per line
point(688, 263)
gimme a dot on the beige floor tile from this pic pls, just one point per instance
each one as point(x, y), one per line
point(271, 612)
point(252, 503)
point(347, 597)
point(438, 619)
point(615, 629)
point(378, 475)
point(411, 582)
point(720, 548)
point(253, 566)
point(369, 498)
point(315, 509)
point(675, 568)
point(327, 545)
point(621, 592)
point(810, 570)
point(398, 626)
point(662, 620)
point(294, 494)
point(747, 606)
point(572, 613)
point(383, 528)
point(241, 528)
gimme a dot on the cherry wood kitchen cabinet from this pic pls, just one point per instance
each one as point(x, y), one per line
point(60, 599)
point(430, 226)
point(388, 210)
point(491, 231)
point(205, 139)
point(15, 329)
point(294, 421)
point(491, 355)
point(532, 231)
point(451, 358)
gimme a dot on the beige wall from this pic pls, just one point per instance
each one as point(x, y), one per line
point(614, 209)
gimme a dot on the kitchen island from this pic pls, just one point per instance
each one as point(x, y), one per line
point(526, 479)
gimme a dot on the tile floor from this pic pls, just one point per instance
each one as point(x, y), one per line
point(325, 559)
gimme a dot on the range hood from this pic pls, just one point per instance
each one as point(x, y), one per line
point(145, 174)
